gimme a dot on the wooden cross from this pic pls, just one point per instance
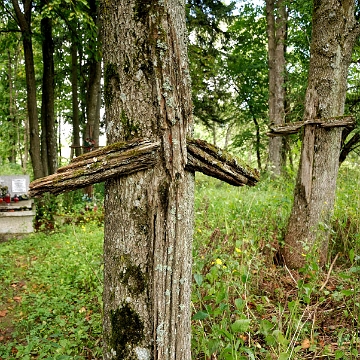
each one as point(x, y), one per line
point(124, 158)
point(293, 128)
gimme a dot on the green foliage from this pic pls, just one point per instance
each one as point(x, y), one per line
point(247, 71)
point(206, 21)
point(51, 287)
point(245, 305)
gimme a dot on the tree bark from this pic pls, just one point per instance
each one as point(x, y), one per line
point(121, 159)
point(333, 36)
point(24, 22)
point(75, 101)
point(13, 131)
point(149, 214)
point(48, 131)
point(276, 17)
point(93, 81)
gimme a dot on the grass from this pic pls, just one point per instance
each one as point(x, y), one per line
point(245, 304)
point(51, 288)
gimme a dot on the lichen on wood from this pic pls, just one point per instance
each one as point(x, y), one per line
point(123, 158)
point(127, 331)
point(292, 128)
point(218, 163)
point(98, 166)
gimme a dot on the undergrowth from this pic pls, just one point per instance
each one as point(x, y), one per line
point(51, 288)
point(245, 303)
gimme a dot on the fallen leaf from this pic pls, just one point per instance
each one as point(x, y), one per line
point(305, 343)
point(3, 313)
point(243, 337)
point(17, 298)
point(88, 316)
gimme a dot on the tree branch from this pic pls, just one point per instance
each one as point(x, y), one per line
point(121, 159)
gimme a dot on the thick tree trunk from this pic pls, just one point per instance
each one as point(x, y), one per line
point(276, 17)
point(148, 215)
point(48, 131)
point(333, 37)
point(24, 21)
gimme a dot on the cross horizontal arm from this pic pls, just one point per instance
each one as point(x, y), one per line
point(292, 128)
point(212, 161)
point(123, 158)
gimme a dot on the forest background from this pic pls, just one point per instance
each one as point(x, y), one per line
point(51, 76)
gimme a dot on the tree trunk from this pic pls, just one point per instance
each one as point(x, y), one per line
point(92, 129)
point(24, 21)
point(75, 101)
point(333, 36)
point(276, 17)
point(48, 131)
point(148, 215)
point(13, 130)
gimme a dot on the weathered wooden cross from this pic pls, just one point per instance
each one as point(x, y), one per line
point(147, 282)
point(294, 127)
point(123, 158)
point(314, 193)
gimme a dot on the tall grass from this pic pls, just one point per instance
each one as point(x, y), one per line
point(245, 305)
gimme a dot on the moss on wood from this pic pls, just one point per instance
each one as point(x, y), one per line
point(130, 128)
point(134, 279)
point(127, 331)
point(111, 81)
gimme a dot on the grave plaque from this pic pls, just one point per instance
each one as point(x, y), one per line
point(17, 184)
point(16, 217)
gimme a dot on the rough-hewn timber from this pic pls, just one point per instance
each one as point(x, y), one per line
point(292, 128)
point(217, 163)
point(97, 166)
point(124, 158)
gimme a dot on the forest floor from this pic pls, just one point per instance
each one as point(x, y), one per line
point(246, 304)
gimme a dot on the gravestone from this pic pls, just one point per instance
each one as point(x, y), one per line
point(16, 216)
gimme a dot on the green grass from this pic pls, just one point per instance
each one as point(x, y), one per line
point(245, 304)
point(51, 288)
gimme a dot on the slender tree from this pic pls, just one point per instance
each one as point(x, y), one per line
point(75, 97)
point(148, 221)
point(93, 77)
point(248, 74)
point(334, 31)
point(23, 17)
point(276, 17)
point(208, 35)
point(49, 152)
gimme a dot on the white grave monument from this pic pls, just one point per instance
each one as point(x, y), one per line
point(16, 216)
